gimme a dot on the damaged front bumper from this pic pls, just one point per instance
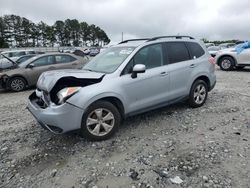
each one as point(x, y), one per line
point(3, 82)
point(55, 118)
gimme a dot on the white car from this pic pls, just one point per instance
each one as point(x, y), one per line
point(237, 57)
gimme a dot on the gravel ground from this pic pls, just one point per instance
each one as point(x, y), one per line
point(174, 146)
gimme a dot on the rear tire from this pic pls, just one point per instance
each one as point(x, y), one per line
point(198, 94)
point(100, 121)
point(17, 84)
point(226, 63)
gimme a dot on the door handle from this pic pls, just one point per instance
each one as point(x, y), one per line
point(74, 63)
point(163, 74)
point(192, 66)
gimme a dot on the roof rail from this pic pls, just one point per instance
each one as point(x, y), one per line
point(130, 40)
point(173, 36)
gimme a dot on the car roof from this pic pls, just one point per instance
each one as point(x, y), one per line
point(138, 42)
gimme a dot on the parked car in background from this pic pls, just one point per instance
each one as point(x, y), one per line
point(94, 51)
point(209, 44)
point(79, 52)
point(213, 50)
point(13, 55)
point(10, 62)
point(17, 53)
point(103, 49)
point(226, 45)
point(67, 49)
point(237, 57)
point(130, 78)
point(86, 51)
point(27, 73)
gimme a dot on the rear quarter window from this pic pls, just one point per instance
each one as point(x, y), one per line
point(195, 50)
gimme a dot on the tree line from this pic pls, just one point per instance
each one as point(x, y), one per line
point(16, 31)
point(218, 42)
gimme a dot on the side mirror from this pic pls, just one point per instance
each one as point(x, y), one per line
point(32, 65)
point(139, 68)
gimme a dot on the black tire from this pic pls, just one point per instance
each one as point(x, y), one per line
point(226, 63)
point(16, 84)
point(194, 101)
point(90, 113)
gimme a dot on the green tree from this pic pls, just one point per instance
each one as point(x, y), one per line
point(3, 42)
point(59, 32)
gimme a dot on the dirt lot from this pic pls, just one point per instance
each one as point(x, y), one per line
point(171, 147)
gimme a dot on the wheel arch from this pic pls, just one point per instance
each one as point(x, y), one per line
point(116, 102)
point(114, 99)
point(226, 55)
point(205, 79)
point(18, 76)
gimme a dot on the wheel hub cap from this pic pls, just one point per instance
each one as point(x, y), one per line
point(17, 85)
point(100, 122)
point(226, 64)
point(200, 94)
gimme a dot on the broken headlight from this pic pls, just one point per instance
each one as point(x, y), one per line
point(66, 93)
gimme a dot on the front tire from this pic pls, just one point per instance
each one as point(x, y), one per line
point(17, 84)
point(227, 63)
point(100, 121)
point(198, 94)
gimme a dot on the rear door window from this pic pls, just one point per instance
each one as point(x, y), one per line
point(64, 59)
point(177, 52)
point(195, 50)
point(43, 61)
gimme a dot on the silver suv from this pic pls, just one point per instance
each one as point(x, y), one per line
point(127, 79)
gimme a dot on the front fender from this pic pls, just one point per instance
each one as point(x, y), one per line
point(84, 100)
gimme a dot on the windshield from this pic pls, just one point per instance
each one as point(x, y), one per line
point(109, 60)
point(25, 63)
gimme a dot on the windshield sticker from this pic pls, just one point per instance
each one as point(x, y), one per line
point(126, 51)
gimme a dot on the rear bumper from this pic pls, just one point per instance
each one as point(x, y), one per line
point(212, 83)
point(56, 118)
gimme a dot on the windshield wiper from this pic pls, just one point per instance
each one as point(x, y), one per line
point(13, 62)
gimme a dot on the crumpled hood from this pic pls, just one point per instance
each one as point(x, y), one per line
point(47, 80)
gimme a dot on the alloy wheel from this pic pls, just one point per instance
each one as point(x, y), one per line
point(17, 84)
point(100, 122)
point(226, 64)
point(200, 94)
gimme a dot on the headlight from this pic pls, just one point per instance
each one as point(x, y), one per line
point(66, 93)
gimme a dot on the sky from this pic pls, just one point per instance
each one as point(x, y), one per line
point(210, 19)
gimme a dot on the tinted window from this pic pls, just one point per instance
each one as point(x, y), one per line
point(177, 52)
point(47, 60)
point(151, 56)
point(195, 49)
point(64, 58)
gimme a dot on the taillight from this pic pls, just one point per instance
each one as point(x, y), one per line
point(211, 60)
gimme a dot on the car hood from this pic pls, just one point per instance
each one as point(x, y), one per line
point(48, 80)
